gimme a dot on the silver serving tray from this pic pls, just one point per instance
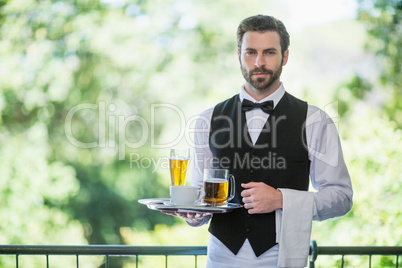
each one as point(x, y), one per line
point(158, 204)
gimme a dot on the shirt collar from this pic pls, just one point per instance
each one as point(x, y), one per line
point(276, 96)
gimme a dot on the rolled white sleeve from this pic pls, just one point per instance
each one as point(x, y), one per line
point(202, 154)
point(328, 172)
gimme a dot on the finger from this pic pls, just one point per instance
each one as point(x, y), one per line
point(201, 215)
point(168, 212)
point(255, 210)
point(187, 215)
point(246, 193)
point(248, 199)
point(248, 205)
point(252, 211)
point(249, 185)
point(245, 185)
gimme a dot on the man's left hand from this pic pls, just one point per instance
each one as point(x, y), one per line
point(259, 197)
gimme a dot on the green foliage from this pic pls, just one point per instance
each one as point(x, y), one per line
point(384, 21)
point(83, 75)
point(352, 91)
point(32, 190)
point(82, 140)
point(370, 124)
point(55, 57)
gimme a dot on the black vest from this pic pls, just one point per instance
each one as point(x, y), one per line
point(279, 158)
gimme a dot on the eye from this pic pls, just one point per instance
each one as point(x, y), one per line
point(270, 52)
point(250, 53)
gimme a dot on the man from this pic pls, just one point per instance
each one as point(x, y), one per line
point(271, 150)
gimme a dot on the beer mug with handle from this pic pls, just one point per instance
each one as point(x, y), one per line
point(219, 186)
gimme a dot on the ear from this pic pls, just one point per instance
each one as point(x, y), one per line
point(285, 57)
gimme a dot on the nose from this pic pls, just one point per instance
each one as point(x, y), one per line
point(259, 61)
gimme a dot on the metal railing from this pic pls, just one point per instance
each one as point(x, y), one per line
point(107, 251)
point(368, 251)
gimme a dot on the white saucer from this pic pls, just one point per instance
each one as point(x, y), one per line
point(198, 204)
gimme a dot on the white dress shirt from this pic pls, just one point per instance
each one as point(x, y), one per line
point(328, 174)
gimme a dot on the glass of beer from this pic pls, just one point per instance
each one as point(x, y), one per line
point(219, 186)
point(179, 160)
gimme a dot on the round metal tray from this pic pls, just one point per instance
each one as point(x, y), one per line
point(159, 204)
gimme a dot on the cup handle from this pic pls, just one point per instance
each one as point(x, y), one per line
point(232, 187)
point(201, 194)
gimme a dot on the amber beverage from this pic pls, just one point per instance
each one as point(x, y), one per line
point(216, 191)
point(178, 171)
point(218, 186)
point(179, 160)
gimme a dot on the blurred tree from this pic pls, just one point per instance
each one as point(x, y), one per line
point(85, 77)
point(371, 111)
point(56, 58)
point(385, 26)
point(383, 19)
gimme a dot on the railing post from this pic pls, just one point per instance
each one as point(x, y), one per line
point(107, 261)
point(313, 252)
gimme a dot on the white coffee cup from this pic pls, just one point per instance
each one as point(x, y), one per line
point(186, 195)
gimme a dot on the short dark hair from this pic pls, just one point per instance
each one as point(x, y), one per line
point(263, 23)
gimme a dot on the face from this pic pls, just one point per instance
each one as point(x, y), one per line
point(261, 61)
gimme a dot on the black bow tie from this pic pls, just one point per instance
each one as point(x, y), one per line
point(266, 106)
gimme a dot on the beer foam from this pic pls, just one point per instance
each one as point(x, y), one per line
point(215, 180)
point(179, 158)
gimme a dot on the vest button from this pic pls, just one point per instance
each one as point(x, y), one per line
point(247, 230)
point(251, 171)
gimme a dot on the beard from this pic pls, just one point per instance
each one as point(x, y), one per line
point(265, 83)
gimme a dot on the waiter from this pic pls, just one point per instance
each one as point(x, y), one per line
point(274, 144)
